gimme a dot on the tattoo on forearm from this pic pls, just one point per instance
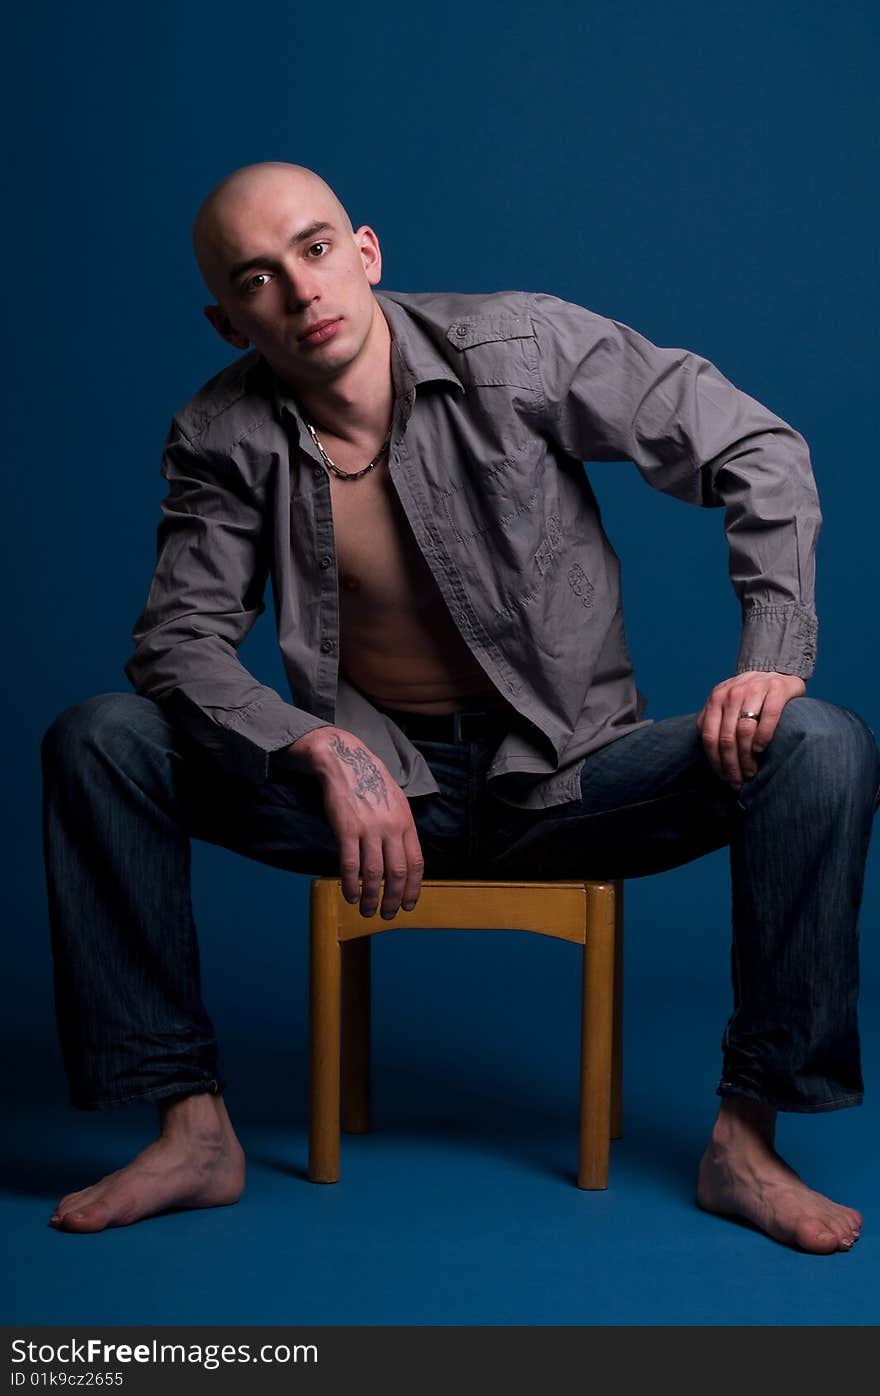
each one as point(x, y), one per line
point(369, 779)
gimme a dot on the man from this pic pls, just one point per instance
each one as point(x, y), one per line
point(408, 470)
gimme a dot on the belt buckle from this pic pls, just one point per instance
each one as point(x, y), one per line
point(469, 726)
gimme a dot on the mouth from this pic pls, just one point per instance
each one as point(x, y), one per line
point(316, 334)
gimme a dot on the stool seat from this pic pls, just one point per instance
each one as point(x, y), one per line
point(589, 914)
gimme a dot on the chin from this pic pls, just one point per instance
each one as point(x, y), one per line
point(327, 355)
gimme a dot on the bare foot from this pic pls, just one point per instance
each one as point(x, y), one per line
point(741, 1175)
point(196, 1162)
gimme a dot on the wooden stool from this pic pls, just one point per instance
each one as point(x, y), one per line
point(588, 913)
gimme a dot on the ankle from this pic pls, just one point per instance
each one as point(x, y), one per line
point(742, 1121)
point(199, 1116)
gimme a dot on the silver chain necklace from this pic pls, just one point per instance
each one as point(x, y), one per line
point(332, 466)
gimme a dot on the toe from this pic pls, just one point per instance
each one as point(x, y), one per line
point(847, 1223)
point(105, 1203)
point(91, 1217)
point(69, 1199)
point(818, 1236)
point(76, 1201)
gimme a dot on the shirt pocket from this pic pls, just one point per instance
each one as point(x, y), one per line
point(497, 350)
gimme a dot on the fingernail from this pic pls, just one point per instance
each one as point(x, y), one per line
point(408, 906)
point(388, 915)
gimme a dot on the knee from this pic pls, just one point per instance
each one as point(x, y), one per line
point(91, 726)
point(837, 740)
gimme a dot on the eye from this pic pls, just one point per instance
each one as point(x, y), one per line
point(248, 286)
point(318, 244)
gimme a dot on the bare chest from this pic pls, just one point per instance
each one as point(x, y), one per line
point(378, 558)
point(399, 643)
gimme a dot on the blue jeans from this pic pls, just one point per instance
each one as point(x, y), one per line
point(125, 791)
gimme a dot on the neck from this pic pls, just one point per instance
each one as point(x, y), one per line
point(357, 406)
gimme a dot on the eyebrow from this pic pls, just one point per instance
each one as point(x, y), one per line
point(302, 236)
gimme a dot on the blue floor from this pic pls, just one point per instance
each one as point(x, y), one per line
point(461, 1207)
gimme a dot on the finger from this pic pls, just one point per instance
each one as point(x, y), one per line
point(770, 713)
point(349, 867)
point(395, 875)
point(710, 731)
point(415, 868)
point(371, 873)
point(746, 728)
point(728, 740)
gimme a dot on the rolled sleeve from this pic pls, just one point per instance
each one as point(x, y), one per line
point(610, 394)
point(205, 595)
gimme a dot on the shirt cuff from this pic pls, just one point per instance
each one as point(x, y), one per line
point(778, 639)
point(243, 739)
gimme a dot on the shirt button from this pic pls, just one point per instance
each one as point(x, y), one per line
point(461, 331)
point(317, 473)
point(327, 646)
point(463, 615)
point(326, 560)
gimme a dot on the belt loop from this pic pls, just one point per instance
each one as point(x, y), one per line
point(456, 726)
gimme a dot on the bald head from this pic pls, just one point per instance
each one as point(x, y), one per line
point(243, 199)
point(290, 276)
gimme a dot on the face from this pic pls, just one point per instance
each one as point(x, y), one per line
point(280, 261)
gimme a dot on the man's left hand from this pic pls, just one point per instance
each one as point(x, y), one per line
point(730, 741)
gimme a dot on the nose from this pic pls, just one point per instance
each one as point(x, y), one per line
point(301, 288)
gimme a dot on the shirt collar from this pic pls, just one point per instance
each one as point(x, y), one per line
point(416, 358)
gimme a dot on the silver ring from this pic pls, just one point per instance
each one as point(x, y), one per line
point(756, 717)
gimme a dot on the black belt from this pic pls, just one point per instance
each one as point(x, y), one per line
point(471, 724)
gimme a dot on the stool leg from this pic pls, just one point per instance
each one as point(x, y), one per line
point(617, 1041)
point(324, 1046)
point(356, 1035)
point(596, 1038)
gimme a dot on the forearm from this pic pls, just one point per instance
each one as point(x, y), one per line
point(226, 711)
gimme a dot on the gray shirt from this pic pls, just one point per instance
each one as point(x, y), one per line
point(499, 399)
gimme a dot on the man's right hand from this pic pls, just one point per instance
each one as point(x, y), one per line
point(370, 817)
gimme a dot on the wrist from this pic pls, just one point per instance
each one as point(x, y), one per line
point(310, 752)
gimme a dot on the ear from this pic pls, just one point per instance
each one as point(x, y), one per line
point(224, 326)
point(371, 253)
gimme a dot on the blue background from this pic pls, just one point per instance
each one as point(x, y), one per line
point(706, 174)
